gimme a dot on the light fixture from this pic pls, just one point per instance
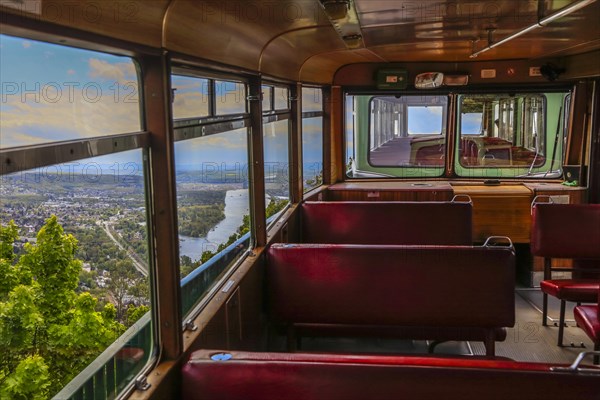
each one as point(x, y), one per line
point(336, 9)
point(353, 41)
point(540, 24)
point(456, 80)
point(429, 80)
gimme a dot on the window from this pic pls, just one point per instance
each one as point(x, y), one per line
point(312, 99)
point(349, 134)
point(75, 273)
point(407, 131)
point(402, 136)
point(52, 93)
point(312, 152)
point(281, 98)
point(190, 97)
point(276, 156)
point(508, 135)
point(212, 185)
point(230, 98)
point(422, 120)
point(267, 92)
point(312, 138)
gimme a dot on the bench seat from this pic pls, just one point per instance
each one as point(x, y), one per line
point(415, 292)
point(212, 374)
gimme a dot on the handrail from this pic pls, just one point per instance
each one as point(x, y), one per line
point(104, 370)
point(492, 241)
point(457, 197)
point(574, 368)
point(540, 196)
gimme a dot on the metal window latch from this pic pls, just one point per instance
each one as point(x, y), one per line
point(190, 326)
point(142, 384)
point(254, 97)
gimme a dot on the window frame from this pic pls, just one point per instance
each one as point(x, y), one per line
point(444, 123)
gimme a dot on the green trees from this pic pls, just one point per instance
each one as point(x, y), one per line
point(48, 333)
point(196, 221)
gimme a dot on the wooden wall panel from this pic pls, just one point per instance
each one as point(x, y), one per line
point(499, 211)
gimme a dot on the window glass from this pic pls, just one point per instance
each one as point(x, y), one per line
point(281, 98)
point(275, 141)
point(349, 133)
point(401, 131)
point(212, 208)
point(74, 272)
point(230, 97)
point(312, 99)
point(266, 101)
point(312, 152)
point(52, 93)
point(190, 97)
point(423, 120)
point(276, 155)
point(510, 135)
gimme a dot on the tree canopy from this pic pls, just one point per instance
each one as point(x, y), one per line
point(45, 326)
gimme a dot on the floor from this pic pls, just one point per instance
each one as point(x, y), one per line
point(528, 340)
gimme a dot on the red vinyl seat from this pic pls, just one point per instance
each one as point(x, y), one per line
point(238, 375)
point(588, 319)
point(567, 231)
point(413, 292)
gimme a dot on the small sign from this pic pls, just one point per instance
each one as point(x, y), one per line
point(488, 73)
point(535, 71)
point(392, 79)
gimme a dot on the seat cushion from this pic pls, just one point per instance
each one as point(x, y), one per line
point(588, 320)
point(580, 290)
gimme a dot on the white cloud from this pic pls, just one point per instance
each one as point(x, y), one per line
point(189, 105)
point(119, 72)
point(54, 117)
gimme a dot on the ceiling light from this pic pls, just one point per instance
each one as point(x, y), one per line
point(336, 9)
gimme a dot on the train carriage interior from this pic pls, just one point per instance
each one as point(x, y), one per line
point(303, 199)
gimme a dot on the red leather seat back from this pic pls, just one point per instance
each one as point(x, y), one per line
point(355, 222)
point(275, 376)
point(566, 231)
point(436, 286)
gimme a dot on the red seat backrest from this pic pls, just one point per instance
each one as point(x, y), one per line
point(436, 286)
point(405, 223)
point(566, 230)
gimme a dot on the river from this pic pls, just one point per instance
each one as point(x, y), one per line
point(236, 206)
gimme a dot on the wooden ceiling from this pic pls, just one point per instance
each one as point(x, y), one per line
point(297, 40)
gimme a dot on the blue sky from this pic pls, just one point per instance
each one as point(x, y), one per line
point(425, 120)
point(470, 124)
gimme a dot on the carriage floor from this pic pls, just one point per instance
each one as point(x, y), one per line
point(528, 340)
